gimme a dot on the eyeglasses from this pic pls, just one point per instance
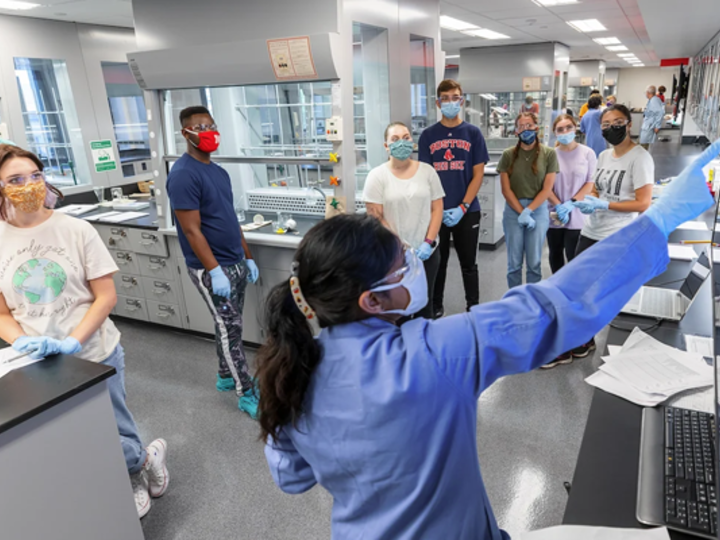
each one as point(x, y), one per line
point(448, 99)
point(411, 265)
point(202, 127)
point(525, 127)
point(567, 129)
point(18, 181)
point(616, 123)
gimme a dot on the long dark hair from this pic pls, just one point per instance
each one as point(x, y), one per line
point(336, 262)
point(516, 150)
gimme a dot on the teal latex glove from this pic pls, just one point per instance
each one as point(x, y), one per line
point(220, 282)
point(686, 197)
point(526, 219)
point(453, 216)
point(590, 204)
point(254, 274)
point(42, 346)
point(424, 251)
point(564, 210)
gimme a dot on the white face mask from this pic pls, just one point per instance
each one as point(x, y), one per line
point(414, 281)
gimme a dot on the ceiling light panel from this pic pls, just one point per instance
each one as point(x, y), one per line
point(452, 56)
point(607, 41)
point(587, 25)
point(485, 34)
point(638, 65)
point(454, 24)
point(617, 48)
point(19, 6)
point(626, 55)
point(546, 3)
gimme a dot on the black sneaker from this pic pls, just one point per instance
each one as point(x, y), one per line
point(564, 358)
point(584, 350)
point(439, 313)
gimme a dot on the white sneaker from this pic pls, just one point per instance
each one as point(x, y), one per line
point(156, 468)
point(140, 491)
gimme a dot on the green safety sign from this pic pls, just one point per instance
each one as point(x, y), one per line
point(103, 156)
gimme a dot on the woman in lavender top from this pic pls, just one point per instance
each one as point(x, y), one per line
point(577, 166)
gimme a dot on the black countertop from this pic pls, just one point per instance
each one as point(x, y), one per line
point(29, 391)
point(149, 222)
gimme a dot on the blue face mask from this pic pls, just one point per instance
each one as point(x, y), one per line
point(401, 149)
point(528, 136)
point(450, 109)
point(566, 138)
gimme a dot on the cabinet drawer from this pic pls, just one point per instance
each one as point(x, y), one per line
point(486, 199)
point(128, 285)
point(162, 313)
point(150, 242)
point(486, 219)
point(157, 267)
point(161, 290)
point(115, 237)
point(133, 308)
point(488, 185)
point(127, 262)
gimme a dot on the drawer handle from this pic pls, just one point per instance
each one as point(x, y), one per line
point(131, 308)
point(156, 267)
point(126, 285)
point(121, 262)
point(166, 314)
point(161, 291)
point(111, 241)
point(148, 243)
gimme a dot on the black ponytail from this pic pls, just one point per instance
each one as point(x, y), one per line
point(337, 261)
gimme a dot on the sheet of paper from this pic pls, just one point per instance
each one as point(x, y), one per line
point(655, 372)
point(96, 217)
point(694, 226)
point(611, 385)
point(614, 349)
point(680, 252)
point(7, 354)
point(696, 400)
point(704, 346)
point(76, 209)
point(577, 532)
point(122, 216)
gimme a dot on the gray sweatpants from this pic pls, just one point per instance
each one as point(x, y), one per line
point(227, 315)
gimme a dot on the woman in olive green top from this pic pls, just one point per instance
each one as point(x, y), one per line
point(527, 172)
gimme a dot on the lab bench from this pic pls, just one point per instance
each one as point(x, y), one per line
point(62, 467)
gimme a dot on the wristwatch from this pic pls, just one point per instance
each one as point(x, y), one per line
point(431, 243)
point(465, 205)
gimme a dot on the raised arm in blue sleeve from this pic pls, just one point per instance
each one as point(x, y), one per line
point(290, 471)
point(533, 324)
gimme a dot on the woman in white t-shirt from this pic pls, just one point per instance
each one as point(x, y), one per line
point(407, 196)
point(56, 292)
point(624, 179)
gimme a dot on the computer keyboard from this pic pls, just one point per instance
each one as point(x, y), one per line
point(690, 490)
point(658, 302)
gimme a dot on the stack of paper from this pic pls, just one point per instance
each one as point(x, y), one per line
point(681, 253)
point(576, 532)
point(96, 217)
point(693, 226)
point(76, 209)
point(647, 372)
point(118, 217)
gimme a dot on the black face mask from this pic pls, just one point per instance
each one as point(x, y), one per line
point(615, 134)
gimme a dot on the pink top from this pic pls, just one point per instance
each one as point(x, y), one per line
point(576, 168)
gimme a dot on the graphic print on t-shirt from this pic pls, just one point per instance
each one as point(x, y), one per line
point(450, 163)
point(608, 183)
point(39, 281)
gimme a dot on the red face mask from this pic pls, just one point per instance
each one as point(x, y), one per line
point(209, 141)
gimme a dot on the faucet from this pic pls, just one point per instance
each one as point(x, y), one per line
point(310, 199)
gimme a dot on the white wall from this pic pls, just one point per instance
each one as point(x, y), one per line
point(633, 82)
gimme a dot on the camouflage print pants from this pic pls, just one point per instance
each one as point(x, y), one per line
point(227, 315)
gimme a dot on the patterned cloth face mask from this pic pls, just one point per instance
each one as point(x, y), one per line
point(28, 198)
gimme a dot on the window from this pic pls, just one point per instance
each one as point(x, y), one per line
point(129, 117)
point(52, 129)
point(422, 80)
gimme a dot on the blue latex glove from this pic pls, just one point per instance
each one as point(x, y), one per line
point(526, 219)
point(254, 274)
point(42, 346)
point(424, 251)
point(564, 210)
point(590, 204)
point(220, 282)
point(686, 197)
point(453, 216)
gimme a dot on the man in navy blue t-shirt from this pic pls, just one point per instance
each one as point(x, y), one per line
point(218, 258)
point(457, 151)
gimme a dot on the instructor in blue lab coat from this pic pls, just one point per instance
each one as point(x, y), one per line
point(652, 118)
point(384, 417)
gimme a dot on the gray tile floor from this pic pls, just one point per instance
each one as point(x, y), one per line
point(529, 432)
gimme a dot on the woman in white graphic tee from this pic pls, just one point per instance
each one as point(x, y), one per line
point(56, 292)
point(407, 196)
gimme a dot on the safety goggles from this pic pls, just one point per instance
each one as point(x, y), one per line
point(526, 127)
point(616, 123)
point(19, 181)
point(564, 130)
point(411, 268)
point(202, 127)
point(453, 99)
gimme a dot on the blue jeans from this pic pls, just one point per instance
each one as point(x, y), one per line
point(133, 448)
point(523, 243)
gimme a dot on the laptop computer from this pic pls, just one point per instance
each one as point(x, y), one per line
point(670, 304)
point(678, 474)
